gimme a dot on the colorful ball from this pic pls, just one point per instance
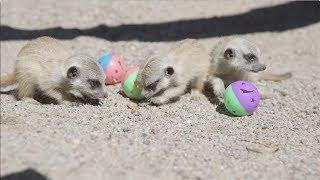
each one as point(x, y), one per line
point(113, 67)
point(241, 98)
point(129, 85)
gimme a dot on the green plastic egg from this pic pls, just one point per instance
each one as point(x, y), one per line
point(129, 86)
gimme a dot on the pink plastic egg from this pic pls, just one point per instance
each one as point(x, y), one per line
point(113, 67)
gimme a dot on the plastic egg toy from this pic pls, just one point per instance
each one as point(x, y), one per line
point(113, 67)
point(241, 98)
point(129, 85)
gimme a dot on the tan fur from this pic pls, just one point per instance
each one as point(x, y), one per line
point(274, 77)
point(191, 64)
point(8, 79)
point(43, 64)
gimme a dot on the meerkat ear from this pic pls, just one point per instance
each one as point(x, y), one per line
point(169, 70)
point(72, 72)
point(229, 53)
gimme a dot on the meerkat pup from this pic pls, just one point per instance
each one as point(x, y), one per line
point(237, 59)
point(45, 64)
point(165, 78)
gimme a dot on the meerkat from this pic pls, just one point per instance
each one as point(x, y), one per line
point(162, 79)
point(45, 64)
point(238, 59)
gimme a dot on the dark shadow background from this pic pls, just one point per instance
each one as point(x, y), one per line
point(281, 17)
point(28, 174)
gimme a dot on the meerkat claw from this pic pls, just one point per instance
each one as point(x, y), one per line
point(197, 95)
point(157, 101)
point(30, 101)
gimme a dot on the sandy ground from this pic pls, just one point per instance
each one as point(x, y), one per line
point(184, 140)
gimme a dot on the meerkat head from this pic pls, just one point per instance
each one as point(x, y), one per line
point(241, 54)
point(85, 77)
point(154, 77)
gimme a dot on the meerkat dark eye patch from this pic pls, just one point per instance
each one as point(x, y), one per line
point(72, 72)
point(229, 53)
point(152, 86)
point(250, 57)
point(94, 83)
point(169, 70)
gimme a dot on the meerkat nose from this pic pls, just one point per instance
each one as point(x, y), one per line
point(264, 67)
point(105, 92)
point(105, 95)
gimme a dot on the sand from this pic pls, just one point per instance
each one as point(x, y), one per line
point(183, 140)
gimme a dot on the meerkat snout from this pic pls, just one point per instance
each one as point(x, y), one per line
point(259, 67)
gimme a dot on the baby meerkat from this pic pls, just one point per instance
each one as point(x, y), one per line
point(165, 78)
point(237, 59)
point(45, 64)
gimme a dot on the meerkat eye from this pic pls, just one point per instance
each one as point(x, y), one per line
point(250, 57)
point(229, 53)
point(152, 86)
point(94, 83)
point(169, 70)
point(72, 72)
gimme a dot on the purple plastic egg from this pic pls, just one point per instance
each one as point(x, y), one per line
point(241, 98)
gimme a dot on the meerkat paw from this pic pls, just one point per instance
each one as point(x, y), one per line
point(218, 87)
point(197, 95)
point(264, 94)
point(158, 100)
point(220, 100)
point(30, 101)
point(70, 103)
point(219, 94)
